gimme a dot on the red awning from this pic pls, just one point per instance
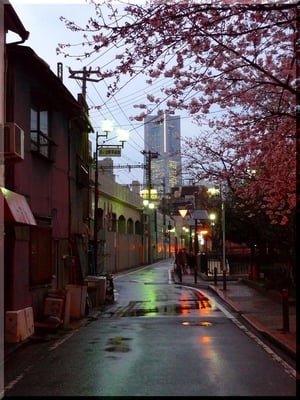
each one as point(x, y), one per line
point(16, 208)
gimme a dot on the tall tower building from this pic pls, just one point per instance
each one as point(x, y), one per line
point(162, 136)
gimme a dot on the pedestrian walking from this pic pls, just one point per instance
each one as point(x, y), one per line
point(180, 262)
point(192, 263)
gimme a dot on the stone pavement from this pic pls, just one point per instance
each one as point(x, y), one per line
point(262, 308)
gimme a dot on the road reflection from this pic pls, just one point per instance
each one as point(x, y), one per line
point(184, 305)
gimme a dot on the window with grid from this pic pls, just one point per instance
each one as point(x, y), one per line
point(41, 142)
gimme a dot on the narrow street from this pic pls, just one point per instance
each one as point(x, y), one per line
point(158, 339)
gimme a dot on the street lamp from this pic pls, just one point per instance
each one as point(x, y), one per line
point(150, 206)
point(212, 218)
point(107, 127)
point(214, 191)
point(123, 135)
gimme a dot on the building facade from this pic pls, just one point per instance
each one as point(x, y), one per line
point(46, 143)
point(162, 137)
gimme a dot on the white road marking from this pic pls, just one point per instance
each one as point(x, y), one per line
point(61, 341)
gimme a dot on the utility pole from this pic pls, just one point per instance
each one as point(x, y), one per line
point(96, 216)
point(84, 78)
point(149, 155)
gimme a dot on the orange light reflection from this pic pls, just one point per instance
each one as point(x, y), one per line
point(204, 307)
point(205, 339)
point(184, 304)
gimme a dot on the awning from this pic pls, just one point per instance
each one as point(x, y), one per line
point(16, 208)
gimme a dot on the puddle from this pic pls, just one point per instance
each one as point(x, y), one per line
point(158, 307)
point(193, 323)
point(118, 344)
point(172, 309)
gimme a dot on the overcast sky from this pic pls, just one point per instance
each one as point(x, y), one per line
point(41, 19)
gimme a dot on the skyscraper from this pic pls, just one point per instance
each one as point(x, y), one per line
point(162, 136)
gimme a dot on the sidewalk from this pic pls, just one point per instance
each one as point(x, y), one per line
point(263, 309)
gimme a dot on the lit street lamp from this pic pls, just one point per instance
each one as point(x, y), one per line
point(212, 218)
point(150, 207)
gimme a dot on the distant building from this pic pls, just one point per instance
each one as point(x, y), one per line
point(162, 136)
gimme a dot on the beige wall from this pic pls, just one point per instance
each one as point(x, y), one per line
point(122, 252)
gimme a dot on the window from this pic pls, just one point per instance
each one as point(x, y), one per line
point(130, 226)
point(114, 223)
point(121, 224)
point(39, 132)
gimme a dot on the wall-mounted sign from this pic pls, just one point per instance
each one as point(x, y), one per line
point(109, 152)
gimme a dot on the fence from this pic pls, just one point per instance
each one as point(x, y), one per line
point(236, 264)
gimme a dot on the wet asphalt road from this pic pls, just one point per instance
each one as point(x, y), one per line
point(158, 339)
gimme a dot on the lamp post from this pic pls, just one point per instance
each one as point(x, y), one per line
point(107, 127)
point(212, 218)
point(223, 240)
point(214, 191)
point(150, 206)
point(196, 240)
point(202, 217)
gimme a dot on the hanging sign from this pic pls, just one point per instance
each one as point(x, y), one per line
point(109, 152)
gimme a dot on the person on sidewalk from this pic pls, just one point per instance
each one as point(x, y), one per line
point(180, 262)
point(192, 263)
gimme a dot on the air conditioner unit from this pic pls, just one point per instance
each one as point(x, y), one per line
point(13, 141)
